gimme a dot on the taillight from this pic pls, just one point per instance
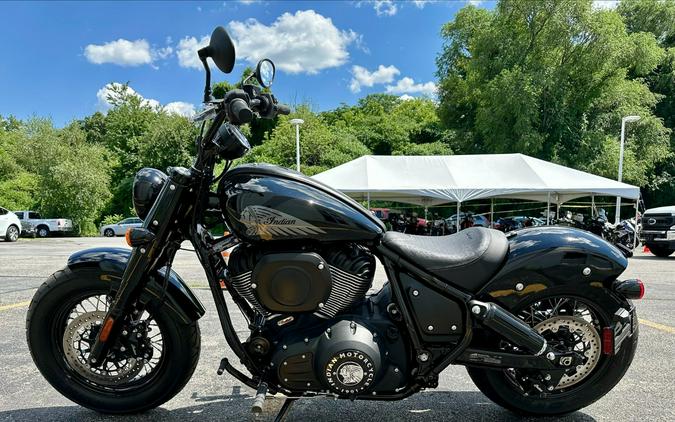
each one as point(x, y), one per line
point(630, 289)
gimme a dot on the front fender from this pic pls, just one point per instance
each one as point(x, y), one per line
point(111, 263)
point(547, 257)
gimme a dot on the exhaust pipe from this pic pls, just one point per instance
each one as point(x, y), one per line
point(507, 325)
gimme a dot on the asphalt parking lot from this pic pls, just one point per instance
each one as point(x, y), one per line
point(645, 393)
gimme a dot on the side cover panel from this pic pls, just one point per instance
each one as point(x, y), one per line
point(111, 262)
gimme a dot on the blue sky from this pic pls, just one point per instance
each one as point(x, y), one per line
point(57, 58)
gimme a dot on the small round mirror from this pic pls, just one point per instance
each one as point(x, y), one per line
point(264, 72)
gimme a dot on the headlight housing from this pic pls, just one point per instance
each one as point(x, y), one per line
point(147, 184)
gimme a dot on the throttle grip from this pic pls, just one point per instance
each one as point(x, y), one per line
point(240, 111)
point(283, 109)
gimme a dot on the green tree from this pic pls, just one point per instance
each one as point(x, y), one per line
point(322, 146)
point(551, 79)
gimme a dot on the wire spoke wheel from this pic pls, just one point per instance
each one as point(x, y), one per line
point(570, 326)
point(131, 362)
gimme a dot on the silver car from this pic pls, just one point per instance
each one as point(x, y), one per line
point(119, 229)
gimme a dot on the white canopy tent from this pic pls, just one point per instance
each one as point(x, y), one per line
point(435, 180)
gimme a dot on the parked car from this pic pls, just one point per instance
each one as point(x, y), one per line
point(43, 226)
point(120, 228)
point(658, 230)
point(10, 225)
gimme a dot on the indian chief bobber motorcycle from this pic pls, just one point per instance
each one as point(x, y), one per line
point(539, 317)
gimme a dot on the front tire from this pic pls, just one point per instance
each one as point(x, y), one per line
point(608, 371)
point(660, 250)
point(109, 233)
point(50, 317)
point(12, 234)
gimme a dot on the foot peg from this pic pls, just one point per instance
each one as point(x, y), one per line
point(259, 399)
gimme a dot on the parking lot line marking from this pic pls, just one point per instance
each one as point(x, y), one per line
point(14, 305)
point(666, 328)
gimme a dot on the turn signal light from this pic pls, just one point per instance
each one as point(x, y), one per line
point(630, 289)
point(138, 236)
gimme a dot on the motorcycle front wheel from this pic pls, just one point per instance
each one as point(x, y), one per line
point(571, 320)
point(151, 362)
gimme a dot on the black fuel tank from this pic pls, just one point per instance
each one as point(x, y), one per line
point(261, 202)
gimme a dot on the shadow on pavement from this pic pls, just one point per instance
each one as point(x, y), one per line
point(428, 406)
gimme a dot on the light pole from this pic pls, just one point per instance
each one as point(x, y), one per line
point(624, 120)
point(297, 123)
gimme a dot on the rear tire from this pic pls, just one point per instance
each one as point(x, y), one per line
point(109, 233)
point(660, 250)
point(42, 231)
point(45, 329)
point(494, 383)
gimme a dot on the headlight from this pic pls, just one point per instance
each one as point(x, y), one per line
point(147, 184)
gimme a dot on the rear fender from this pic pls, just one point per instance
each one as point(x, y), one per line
point(553, 258)
point(111, 263)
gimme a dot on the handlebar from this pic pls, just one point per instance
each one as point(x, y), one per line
point(240, 111)
point(283, 109)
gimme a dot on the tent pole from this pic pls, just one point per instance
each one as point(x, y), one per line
point(492, 212)
point(635, 234)
point(459, 204)
point(592, 206)
point(548, 208)
point(368, 200)
point(426, 210)
point(557, 206)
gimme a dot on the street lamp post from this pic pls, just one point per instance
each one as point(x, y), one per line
point(624, 120)
point(297, 123)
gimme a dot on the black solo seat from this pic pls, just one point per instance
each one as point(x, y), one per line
point(467, 259)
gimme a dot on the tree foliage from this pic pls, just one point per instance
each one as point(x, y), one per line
point(552, 79)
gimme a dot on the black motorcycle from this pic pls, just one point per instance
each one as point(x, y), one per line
point(539, 317)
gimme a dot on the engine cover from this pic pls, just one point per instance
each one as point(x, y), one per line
point(348, 358)
point(361, 353)
point(323, 281)
point(292, 282)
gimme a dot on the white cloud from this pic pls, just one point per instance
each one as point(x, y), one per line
point(114, 90)
point(304, 42)
point(406, 97)
point(421, 3)
point(605, 4)
point(363, 77)
point(407, 85)
point(180, 108)
point(476, 3)
point(121, 52)
point(187, 51)
point(385, 7)
point(247, 2)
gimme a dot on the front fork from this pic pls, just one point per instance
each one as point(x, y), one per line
point(149, 253)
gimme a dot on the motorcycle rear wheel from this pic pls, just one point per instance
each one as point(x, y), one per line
point(62, 316)
point(499, 387)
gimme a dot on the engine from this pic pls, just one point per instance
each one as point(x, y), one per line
point(322, 282)
point(322, 333)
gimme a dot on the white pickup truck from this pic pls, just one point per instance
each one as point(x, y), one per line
point(658, 230)
point(33, 223)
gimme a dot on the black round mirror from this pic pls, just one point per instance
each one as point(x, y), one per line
point(221, 50)
point(264, 72)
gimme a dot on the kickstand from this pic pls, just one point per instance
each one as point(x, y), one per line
point(285, 408)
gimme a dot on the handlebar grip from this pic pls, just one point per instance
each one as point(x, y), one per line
point(283, 109)
point(240, 110)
